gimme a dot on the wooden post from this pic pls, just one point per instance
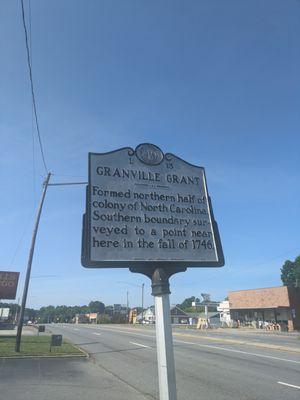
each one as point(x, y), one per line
point(28, 272)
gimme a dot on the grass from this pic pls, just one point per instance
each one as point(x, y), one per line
point(35, 346)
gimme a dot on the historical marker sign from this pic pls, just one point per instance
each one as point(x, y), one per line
point(146, 208)
point(8, 284)
point(56, 340)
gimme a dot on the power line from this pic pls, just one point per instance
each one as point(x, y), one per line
point(21, 239)
point(32, 112)
point(69, 176)
point(32, 87)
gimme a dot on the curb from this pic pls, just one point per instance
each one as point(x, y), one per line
point(37, 356)
point(84, 352)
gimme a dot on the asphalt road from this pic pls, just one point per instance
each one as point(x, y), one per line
point(255, 334)
point(205, 369)
point(252, 336)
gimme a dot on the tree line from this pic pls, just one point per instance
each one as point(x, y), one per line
point(50, 313)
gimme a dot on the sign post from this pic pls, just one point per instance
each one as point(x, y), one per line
point(164, 339)
point(165, 353)
point(150, 212)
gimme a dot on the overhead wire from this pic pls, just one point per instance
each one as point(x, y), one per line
point(32, 88)
point(32, 115)
point(69, 176)
point(28, 43)
point(26, 225)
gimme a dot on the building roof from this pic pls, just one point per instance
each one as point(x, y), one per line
point(246, 290)
point(273, 297)
point(173, 308)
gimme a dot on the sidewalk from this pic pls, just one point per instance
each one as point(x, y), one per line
point(61, 379)
point(27, 331)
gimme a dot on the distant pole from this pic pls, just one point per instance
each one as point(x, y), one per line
point(143, 301)
point(127, 296)
point(206, 315)
point(17, 312)
point(31, 252)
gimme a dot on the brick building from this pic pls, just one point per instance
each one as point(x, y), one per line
point(279, 305)
point(88, 318)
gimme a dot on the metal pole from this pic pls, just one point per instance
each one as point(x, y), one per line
point(67, 183)
point(164, 344)
point(164, 340)
point(206, 316)
point(17, 312)
point(143, 301)
point(127, 296)
point(31, 252)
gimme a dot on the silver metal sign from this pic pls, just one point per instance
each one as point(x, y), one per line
point(144, 207)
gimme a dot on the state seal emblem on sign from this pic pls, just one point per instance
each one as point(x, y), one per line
point(149, 154)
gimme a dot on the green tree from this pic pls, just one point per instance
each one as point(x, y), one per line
point(119, 318)
point(198, 309)
point(96, 306)
point(30, 314)
point(104, 319)
point(65, 313)
point(187, 303)
point(290, 273)
point(46, 314)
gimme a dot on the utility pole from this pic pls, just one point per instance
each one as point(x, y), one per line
point(127, 296)
point(143, 285)
point(206, 315)
point(29, 264)
point(17, 312)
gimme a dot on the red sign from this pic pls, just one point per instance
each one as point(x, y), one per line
point(8, 284)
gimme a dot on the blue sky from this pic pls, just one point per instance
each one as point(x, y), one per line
point(214, 82)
